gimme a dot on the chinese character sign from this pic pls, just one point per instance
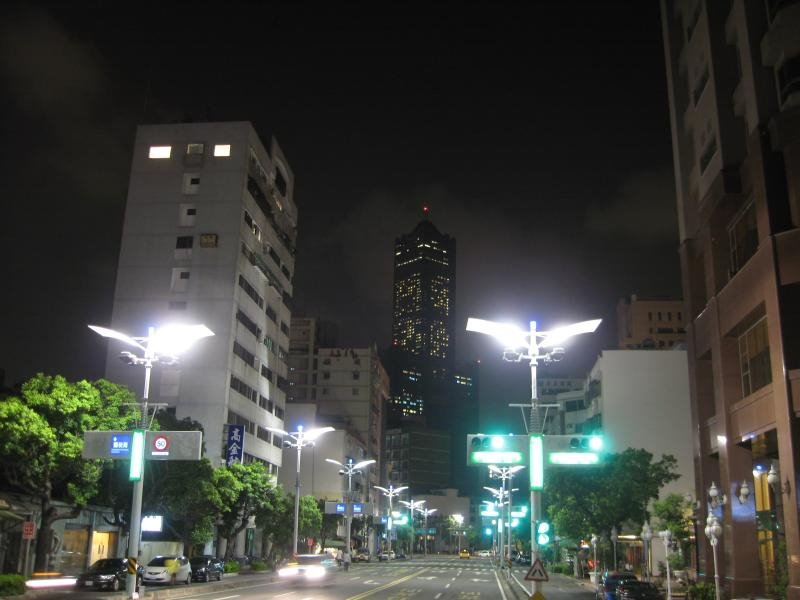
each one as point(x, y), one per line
point(235, 449)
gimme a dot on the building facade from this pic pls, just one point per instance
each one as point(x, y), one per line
point(734, 100)
point(650, 323)
point(209, 237)
point(423, 321)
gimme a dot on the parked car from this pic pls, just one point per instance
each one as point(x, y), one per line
point(609, 583)
point(168, 569)
point(109, 573)
point(638, 590)
point(308, 569)
point(362, 556)
point(386, 555)
point(484, 553)
point(522, 559)
point(464, 553)
point(206, 568)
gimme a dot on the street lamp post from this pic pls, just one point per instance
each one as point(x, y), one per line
point(500, 497)
point(390, 493)
point(647, 535)
point(520, 345)
point(459, 519)
point(713, 533)
point(348, 470)
point(425, 512)
point(594, 566)
point(299, 439)
point(614, 537)
point(666, 537)
point(162, 345)
point(412, 506)
point(506, 474)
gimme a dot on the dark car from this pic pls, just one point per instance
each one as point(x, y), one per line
point(109, 573)
point(206, 568)
point(638, 590)
point(610, 582)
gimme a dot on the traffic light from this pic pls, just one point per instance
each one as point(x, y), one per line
point(542, 533)
point(574, 449)
point(496, 449)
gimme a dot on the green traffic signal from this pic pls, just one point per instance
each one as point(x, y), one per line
point(542, 533)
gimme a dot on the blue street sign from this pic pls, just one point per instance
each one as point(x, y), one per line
point(120, 444)
point(358, 508)
point(341, 508)
point(384, 520)
point(234, 451)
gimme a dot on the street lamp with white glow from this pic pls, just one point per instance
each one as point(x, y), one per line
point(647, 535)
point(412, 506)
point(161, 345)
point(348, 470)
point(390, 493)
point(426, 512)
point(713, 532)
point(459, 520)
point(299, 439)
point(533, 346)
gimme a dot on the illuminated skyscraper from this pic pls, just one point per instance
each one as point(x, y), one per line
point(423, 322)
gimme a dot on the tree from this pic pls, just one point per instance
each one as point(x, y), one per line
point(275, 518)
point(673, 514)
point(310, 519)
point(596, 499)
point(248, 484)
point(329, 524)
point(41, 439)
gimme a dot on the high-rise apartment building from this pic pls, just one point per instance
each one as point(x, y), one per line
point(423, 321)
point(734, 97)
point(650, 323)
point(349, 386)
point(209, 237)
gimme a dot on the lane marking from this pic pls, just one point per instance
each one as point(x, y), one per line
point(436, 597)
point(386, 586)
point(284, 594)
point(447, 586)
point(226, 597)
point(499, 586)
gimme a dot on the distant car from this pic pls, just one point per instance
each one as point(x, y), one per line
point(308, 569)
point(362, 556)
point(168, 569)
point(206, 568)
point(610, 582)
point(484, 553)
point(109, 573)
point(638, 590)
point(522, 559)
point(387, 555)
point(464, 553)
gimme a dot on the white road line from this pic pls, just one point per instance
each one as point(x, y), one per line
point(436, 597)
point(500, 587)
point(227, 597)
point(284, 594)
point(447, 586)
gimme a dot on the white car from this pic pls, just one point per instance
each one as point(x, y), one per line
point(168, 569)
point(484, 553)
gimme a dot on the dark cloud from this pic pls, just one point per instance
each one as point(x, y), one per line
point(642, 210)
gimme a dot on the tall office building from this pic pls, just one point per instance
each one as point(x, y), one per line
point(423, 320)
point(733, 74)
point(209, 237)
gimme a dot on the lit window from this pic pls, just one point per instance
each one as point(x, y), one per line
point(194, 148)
point(160, 151)
point(222, 150)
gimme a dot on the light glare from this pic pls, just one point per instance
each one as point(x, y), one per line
point(574, 458)
point(559, 335)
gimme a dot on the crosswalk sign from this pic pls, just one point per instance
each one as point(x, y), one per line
point(537, 572)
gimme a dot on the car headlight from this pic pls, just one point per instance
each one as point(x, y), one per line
point(288, 572)
point(315, 572)
point(105, 577)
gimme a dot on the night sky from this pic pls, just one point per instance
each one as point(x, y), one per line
point(537, 132)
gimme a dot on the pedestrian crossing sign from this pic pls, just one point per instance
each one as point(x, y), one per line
point(537, 572)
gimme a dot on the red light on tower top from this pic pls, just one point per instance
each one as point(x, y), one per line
point(426, 209)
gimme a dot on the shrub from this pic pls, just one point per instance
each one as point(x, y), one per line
point(12, 585)
point(702, 591)
point(676, 561)
point(232, 566)
point(257, 565)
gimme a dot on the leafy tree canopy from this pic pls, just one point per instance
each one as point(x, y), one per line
point(581, 501)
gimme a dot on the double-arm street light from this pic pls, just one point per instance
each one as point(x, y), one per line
point(299, 439)
point(459, 520)
point(348, 470)
point(533, 346)
point(666, 537)
point(162, 345)
point(390, 493)
point(412, 506)
point(506, 474)
point(425, 512)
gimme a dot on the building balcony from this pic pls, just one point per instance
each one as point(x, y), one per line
point(781, 39)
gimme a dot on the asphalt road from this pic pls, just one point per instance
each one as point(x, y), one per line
point(431, 578)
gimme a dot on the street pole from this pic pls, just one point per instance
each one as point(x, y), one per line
point(534, 427)
point(138, 485)
point(297, 495)
point(349, 505)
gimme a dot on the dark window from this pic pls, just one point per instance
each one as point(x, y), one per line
point(242, 352)
point(273, 316)
point(280, 182)
point(191, 211)
point(266, 373)
point(184, 275)
point(286, 272)
point(248, 323)
point(754, 357)
point(244, 389)
point(184, 241)
point(356, 375)
point(284, 328)
point(326, 374)
point(251, 291)
point(743, 238)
